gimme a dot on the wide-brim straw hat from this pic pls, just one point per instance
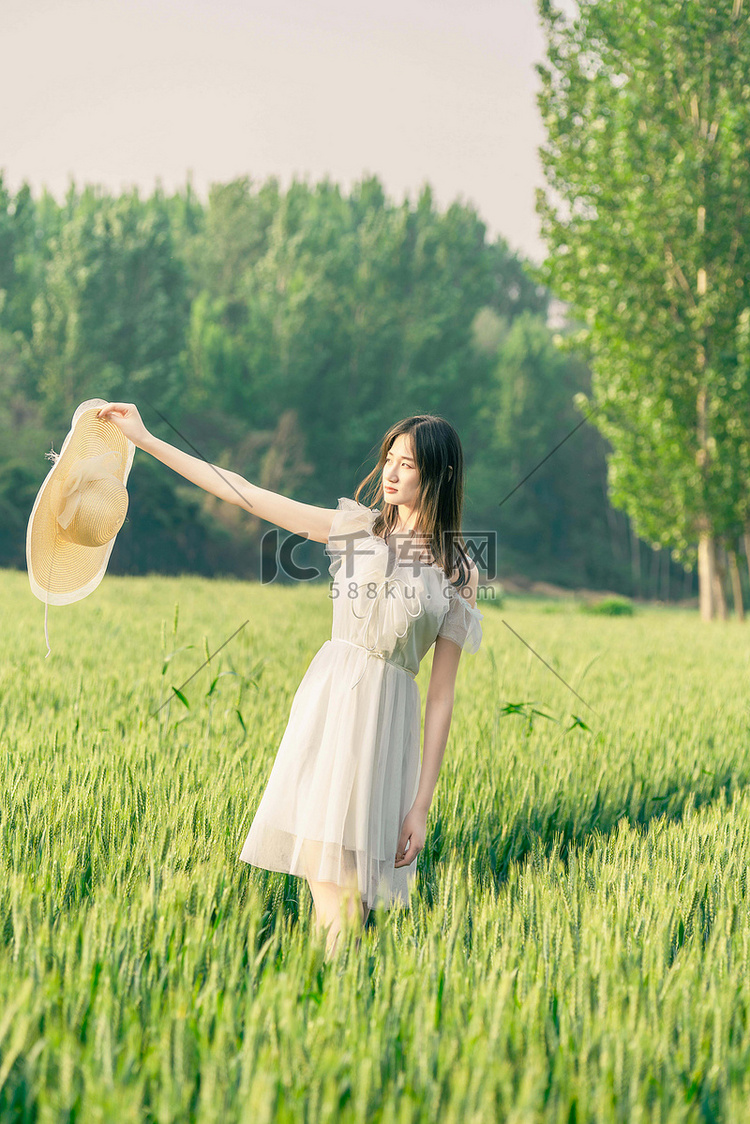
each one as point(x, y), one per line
point(78, 510)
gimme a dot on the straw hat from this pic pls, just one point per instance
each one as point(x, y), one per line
point(78, 510)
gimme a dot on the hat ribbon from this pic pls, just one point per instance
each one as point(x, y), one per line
point(83, 472)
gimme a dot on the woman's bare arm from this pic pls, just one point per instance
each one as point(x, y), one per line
point(439, 704)
point(301, 518)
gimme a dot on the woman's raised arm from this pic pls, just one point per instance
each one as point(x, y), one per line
point(301, 518)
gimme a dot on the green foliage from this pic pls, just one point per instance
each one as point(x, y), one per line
point(555, 521)
point(579, 927)
point(610, 607)
point(338, 307)
point(26, 228)
point(166, 530)
point(283, 332)
point(647, 161)
point(18, 488)
point(111, 318)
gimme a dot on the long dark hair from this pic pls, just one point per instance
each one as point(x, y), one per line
point(440, 463)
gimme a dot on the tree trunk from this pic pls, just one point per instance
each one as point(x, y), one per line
point(720, 573)
point(734, 570)
point(707, 588)
point(746, 537)
point(706, 571)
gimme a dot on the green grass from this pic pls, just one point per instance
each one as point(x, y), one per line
point(579, 943)
point(611, 607)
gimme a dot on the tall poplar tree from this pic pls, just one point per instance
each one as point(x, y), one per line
point(646, 215)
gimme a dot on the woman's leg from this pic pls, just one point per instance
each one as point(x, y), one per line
point(333, 902)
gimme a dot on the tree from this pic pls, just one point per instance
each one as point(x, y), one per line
point(647, 163)
point(347, 309)
point(556, 524)
point(111, 317)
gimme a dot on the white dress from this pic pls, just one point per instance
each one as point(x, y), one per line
point(347, 768)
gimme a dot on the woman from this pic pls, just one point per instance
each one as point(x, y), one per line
point(346, 802)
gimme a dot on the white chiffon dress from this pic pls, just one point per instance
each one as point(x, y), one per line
point(347, 768)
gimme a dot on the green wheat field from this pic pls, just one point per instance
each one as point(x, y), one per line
point(579, 943)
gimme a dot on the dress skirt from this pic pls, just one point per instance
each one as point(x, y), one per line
point(345, 775)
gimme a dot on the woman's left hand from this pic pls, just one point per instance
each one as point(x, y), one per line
point(412, 837)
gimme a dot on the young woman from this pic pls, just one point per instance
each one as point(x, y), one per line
point(346, 801)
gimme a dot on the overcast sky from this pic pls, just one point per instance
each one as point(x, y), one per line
point(123, 92)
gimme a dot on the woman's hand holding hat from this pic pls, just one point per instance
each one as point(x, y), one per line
point(127, 419)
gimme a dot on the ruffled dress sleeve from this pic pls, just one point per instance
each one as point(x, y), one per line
point(461, 622)
point(351, 521)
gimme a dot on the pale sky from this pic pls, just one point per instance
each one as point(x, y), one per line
point(122, 92)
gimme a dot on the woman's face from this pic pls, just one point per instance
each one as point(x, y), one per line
point(400, 473)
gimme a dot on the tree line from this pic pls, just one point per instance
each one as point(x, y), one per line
point(280, 332)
